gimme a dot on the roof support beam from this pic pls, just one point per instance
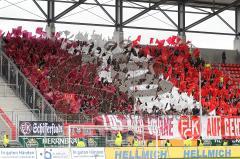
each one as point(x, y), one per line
point(119, 15)
point(50, 28)
point(236, 2)
point(131, 7)
point(144, 12)
point(166, 15)
point(225, 22)
point(22, 19)
point(236, 44)
point(175, 30)
point(107, 25)
point(181, 19)
point(161, 10)
point(105, 11)
point(118, 32)
point(40, 8)
point(237, 21)
point(69, 9)
point(221, 18)
point(50, 11)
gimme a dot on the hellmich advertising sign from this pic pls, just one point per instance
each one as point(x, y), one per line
point(40, 128)
point(172, 152)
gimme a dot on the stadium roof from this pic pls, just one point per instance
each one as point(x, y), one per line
point(195, 3)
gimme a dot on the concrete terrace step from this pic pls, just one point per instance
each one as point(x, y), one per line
point(13, 106)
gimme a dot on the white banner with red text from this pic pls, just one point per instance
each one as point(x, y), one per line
point(169, 127)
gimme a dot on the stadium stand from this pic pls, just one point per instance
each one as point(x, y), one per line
point(233, 71)
point(73, 85)
point(48, 68)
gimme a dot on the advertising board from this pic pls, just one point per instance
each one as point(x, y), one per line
point(40, 128)
point(88, 153)
point(17, 153)
point(171, 152)
point(53, 141)
point(58, 141)
point(121, 153)
point(53, 153)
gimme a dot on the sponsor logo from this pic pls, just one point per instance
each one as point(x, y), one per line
point(32, 142)
point(47, 154)
point(26, 128)
point(189, 126)
point(40, 128)
point(47, 128)
point(53, 153)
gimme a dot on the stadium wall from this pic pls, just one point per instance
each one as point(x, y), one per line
point(215, 56)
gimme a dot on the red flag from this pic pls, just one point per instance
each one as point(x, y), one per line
point(169, 40)
point(169, 73)
point(44, 33)
point(57, 35)
point(180, 59)
point(136, 42)
point(146, 51)
point(172, 40)
point(164, 55)
point(151, 40)
point(196, 52)
point(164, 58)
point(160, 43)
point(178, 39)
point(138, 38)
point(39, 30)
point(8, 36)
point(19, 29)
point(14, 31)
point(25, 34)
point(29, 34)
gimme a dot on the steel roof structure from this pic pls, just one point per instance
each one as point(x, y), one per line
point(214, 8)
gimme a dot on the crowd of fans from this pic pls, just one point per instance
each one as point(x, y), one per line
point(57, 69)
point(181, 65)
point(70, 85)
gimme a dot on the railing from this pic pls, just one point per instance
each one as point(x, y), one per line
point(76, 118)
point(21, 115)
point(16, 116)
point(25, 90)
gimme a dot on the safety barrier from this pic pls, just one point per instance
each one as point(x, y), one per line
point(121, 153)
point(8, 124)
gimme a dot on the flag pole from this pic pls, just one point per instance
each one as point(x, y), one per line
point(200, 95)
point(135, 105)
